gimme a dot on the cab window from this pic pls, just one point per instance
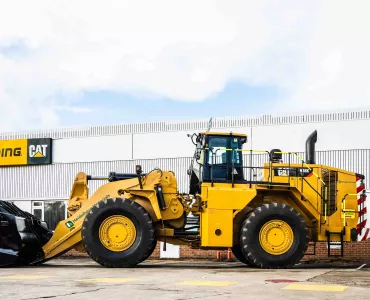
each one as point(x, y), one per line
point(224, 159)
point(217, 154)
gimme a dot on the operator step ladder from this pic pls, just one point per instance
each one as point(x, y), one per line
point(331, 243)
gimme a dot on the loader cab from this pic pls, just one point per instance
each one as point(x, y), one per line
point(217, 158)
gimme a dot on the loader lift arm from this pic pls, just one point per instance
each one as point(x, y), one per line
point(143, 190)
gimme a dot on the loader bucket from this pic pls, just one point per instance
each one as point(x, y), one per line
point(22, 236)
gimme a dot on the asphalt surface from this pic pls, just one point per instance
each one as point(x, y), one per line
point(171, 279)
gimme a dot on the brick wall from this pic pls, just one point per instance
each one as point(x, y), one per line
point(352, 251)
point(359, 251)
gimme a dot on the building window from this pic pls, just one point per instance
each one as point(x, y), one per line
point(52, 212)
point(38, 209)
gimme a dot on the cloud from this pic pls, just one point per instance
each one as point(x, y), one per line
point(337, 65)
point(183, 50)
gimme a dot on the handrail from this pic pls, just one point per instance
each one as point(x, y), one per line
point(251, 151)
point(268, 152)
point(326, 203)
point(316, 191)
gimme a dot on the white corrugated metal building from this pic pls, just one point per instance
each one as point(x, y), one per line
point(97, 150)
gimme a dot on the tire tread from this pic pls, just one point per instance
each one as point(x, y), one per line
point(151, 239)
point(254, 256)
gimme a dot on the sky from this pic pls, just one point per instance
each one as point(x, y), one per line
point(77, 63)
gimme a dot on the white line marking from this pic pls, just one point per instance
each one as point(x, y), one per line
point(360, 267)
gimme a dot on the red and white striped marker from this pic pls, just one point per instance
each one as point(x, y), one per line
point(362, 230)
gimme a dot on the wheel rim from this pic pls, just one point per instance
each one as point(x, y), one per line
point(276, 237)
point(117, 233)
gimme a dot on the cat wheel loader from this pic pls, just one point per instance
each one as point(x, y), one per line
point(267, 213)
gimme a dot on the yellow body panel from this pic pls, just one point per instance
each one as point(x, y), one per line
point(346, 201)
point(221, 201)
point(217, 228)
point(223, 196)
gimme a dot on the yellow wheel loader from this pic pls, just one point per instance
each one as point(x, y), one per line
point(266, 212)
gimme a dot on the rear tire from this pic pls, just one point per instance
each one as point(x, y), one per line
point(258, 233)
point(237, 251)
point(141, 233)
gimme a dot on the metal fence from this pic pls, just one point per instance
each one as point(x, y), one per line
point(55, 181)
point(356, 160)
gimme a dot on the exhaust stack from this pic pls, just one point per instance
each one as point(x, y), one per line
point(310, 148)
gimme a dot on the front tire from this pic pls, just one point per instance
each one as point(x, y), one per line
point(118, 233)
point(150, 252)
point(274, 236)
